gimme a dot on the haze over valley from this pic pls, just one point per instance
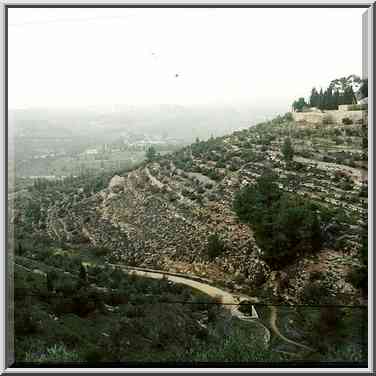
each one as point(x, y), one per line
point(188, 185)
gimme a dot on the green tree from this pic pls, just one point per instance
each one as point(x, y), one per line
point(215, 246)
point(321, 100)
point(255, 198)
point(51, 280)
point(349, 96)
point(151, 154)
point(329, 99)
point(364, 88)
point(336, 100)
point(284, 225)
point(314, 98)
point(299, 104)
point(288, 150)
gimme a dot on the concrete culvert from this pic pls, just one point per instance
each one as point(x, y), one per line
point(245, 306)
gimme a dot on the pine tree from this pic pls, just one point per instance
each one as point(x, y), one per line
point(151, 154)
point(336, 100)
point(325, 100)
point(314, 98)
point(321, 100)
point(352, 96)
point(330, 99)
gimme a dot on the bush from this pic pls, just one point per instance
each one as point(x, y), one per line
point(51, 280)
point(98, 251)
point(316, 276)
point(327, 120)
point(347, 121)
point(288, 117)
point(54, 354)
point(287, 150)
point(316, 293)
point(215, 246)
point(358, 277)
point(347, 185)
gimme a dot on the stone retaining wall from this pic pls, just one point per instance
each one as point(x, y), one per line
point(335, 116)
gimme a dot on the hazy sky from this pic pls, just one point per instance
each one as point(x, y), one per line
point(88, 57)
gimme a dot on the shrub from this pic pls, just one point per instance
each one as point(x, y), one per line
point(215, 246)
point(299, 104)
point(330, 319)
point(327, 119)
point(339, 140)
point(200, 189)
point(346, 185)
point(288, 117)
point(316, 293)
point(347, 121)
point(288, 150)
point(98, 251)
point(358, 277)
point(316, 276)
point(54, 354)
point(51, 280)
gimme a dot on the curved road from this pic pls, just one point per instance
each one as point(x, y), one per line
point(230, 301)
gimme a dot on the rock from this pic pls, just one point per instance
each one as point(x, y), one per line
point(116, 184)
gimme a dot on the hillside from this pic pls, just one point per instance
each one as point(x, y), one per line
point(162, 213)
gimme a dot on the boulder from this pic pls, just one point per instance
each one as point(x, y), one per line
point(116, 183)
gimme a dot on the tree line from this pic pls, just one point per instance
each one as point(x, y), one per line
point(330, 99)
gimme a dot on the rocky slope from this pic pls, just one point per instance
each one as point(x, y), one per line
point(161, 214)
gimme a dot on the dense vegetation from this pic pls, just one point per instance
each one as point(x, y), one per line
point(329, 100)
point(102, 314)
point(284, 226)
point(339, 92)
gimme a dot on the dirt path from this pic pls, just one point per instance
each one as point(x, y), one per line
point(273, 325)
point(230, 301)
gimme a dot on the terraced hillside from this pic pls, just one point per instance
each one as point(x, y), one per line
point(163, 213)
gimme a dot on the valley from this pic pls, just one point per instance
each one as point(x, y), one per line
point(175, 213)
